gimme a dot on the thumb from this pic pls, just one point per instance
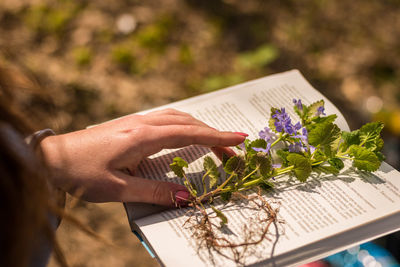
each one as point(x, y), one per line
point(154, 192)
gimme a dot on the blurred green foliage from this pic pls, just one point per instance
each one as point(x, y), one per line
point(245, 64)
point(191, 47)
point(82, 56)
point(258, 58)
point(155, 36)
point(185, 54)
point(215, 82)
point(122, 56)
point(47, 19)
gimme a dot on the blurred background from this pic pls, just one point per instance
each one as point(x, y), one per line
point(100, 59)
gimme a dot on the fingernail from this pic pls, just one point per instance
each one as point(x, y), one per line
point(242, 134)
point(182, 197)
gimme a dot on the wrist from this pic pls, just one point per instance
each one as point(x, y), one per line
point(51, 156)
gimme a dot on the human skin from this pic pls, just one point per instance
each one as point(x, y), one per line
point(100, 162)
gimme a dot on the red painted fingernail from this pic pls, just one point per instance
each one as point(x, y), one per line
point(242, 134)
point(182, 197)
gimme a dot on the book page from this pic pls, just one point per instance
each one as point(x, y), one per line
point(324, 216)
point(319, 210)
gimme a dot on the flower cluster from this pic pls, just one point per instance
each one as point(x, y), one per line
point(298, 104)
point(296, 135)
point(283, 123)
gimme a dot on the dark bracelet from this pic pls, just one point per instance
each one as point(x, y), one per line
point(34, 139)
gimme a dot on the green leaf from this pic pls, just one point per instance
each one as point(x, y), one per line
point(283, 155)
point(262, 162)
point(327, 119)
point(298, 112)
point(319, 155)
point(379, 143)
point(235, 164)
point(337, 163)
point(380, 156)
point(247, 144)
point(364, 159)
point(370, 136)
point(350, 138)
point(226, 196)
point(271, 121)
point(326, 169)
point(225, 158)
point(323, 134)
point(220, 215)
point(326, 135)
point(266, 185)
point(212, 169)
point(177, 166)
point(370, 132)
point(313, 108)
point(261, 143)
point(302, 166)
point(319, 120)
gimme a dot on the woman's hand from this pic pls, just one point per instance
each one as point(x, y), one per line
point(102, 160)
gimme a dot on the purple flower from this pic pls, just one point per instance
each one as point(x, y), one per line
point(260, 149)
point(298, 104)
point(312, 149)
point(303, 136)
point(266, 134)
point(242, 146)
point(295, 148)
point(292, 129)
point(320, 110)
point(305, 132)
point(282, 121)
point(297, 126)
point(276, 165)
point(289, 128)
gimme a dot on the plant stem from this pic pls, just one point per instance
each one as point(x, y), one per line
point(277, 140)
point(218, 189)
point(285, 170)
point(343, 153)
point(344, 157)
point(250, 183)
point(189, 185)
point(256, 181)
point(278, 173)
point(317, 163)
point(250, 174)
point(204, 183)
point(226, 181)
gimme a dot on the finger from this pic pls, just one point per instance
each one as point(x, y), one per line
point(179, 115)
point(176, 136)
point(219, 151)
point(159, 120)
point(168, 111)
point(153, 191)
point(184, 135)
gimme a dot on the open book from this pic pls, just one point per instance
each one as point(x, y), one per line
point(325, 215)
